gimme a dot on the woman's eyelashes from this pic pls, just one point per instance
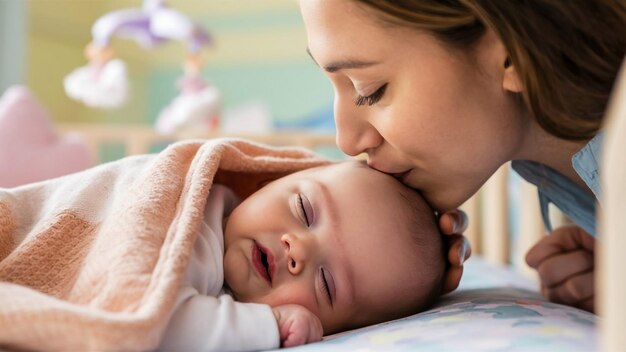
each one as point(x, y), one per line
point(372, 98)
point(304, 209)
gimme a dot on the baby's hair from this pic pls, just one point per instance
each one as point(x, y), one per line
point(430, 251)
point(429, 246)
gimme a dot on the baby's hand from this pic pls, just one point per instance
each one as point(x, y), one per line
point(297, 325)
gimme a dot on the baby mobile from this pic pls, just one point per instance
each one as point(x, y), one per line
point(103, 82)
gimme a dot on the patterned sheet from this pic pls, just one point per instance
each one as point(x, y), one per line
point(495, 309)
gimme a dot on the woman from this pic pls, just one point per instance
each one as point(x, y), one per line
point(442, 93)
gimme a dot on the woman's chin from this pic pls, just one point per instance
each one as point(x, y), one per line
point(444, 202)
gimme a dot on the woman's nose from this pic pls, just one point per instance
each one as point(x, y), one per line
point(355, 135)
point(296, 252)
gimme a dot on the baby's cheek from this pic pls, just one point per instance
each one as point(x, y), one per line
point(237, 275)
point(290, 294)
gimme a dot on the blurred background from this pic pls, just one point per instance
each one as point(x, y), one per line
point(258, 60)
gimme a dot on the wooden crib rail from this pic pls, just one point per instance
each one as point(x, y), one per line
point(138, 139)
point(489, 230)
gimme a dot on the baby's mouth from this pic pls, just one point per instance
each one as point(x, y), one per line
point(263, 261)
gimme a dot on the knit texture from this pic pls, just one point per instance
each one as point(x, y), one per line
point(93, 260)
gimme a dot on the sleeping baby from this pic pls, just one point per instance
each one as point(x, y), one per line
point(193, 249)
point(316, 252)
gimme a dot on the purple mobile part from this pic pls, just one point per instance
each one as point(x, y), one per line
point(149, 26)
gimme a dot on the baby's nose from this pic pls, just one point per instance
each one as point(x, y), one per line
point(296, 253)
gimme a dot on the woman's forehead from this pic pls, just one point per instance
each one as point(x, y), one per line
point(342, 30)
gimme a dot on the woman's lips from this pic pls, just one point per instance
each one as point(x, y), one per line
point(402, 176)
point(266, 270)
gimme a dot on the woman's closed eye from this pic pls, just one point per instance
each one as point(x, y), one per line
point(304, 209)
point(372, 98)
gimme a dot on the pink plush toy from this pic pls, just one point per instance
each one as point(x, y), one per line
point(30, 149)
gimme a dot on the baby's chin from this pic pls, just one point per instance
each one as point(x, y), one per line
point(240, 295)
point(231, 290)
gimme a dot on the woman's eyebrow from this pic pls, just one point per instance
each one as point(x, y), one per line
point(343, 64)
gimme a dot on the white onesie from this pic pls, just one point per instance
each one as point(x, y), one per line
point(205, 318)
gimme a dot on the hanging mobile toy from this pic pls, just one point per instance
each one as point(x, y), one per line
point(197, 106)
point(103, 82)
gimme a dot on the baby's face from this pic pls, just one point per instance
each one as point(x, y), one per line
point(333, 239)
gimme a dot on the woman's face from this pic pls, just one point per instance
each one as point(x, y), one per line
point(438, 118)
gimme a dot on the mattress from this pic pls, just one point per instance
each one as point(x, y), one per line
point(494, 309)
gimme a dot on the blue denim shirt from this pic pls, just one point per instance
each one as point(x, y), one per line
point(578, 205)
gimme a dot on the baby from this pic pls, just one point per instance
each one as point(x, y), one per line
point(316, 252)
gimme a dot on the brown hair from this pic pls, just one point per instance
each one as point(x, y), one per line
point(429, 246)
point(566, 53)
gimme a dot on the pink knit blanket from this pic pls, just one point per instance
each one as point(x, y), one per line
point(93, 260)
